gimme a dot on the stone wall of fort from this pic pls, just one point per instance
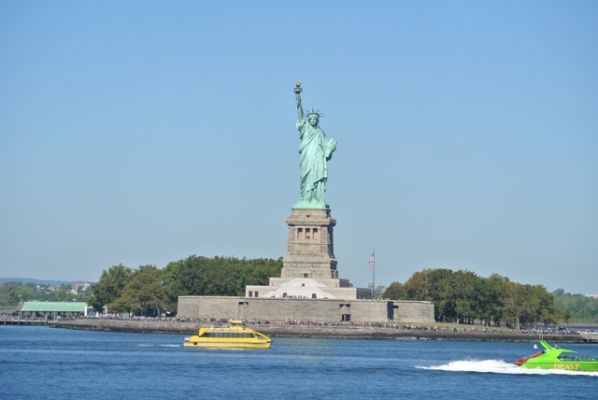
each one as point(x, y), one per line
point(413, 311)
point(296, 309)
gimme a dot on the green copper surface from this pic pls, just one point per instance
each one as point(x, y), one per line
point(314, 152)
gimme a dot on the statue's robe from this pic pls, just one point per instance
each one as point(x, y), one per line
point(314, 151)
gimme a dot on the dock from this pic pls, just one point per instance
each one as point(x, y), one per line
point(354, 331)
point(589, 337)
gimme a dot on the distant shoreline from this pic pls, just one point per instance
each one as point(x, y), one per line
point(475, 333)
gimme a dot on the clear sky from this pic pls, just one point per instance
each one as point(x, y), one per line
point(141, 132)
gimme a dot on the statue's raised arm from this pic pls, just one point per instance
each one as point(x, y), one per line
point(298, 90)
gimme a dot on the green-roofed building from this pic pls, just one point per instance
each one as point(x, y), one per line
point(54, 307)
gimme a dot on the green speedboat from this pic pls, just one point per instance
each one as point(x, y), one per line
point(558, 358)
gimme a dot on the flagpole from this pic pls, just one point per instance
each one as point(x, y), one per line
point(372, 265)
point(374, 278)
point(372, 284)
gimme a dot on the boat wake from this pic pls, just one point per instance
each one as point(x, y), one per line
point(499, 367)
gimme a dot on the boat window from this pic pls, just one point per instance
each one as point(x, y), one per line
point(228, 334)
point(569, 357)
point(251, 293)
point(257, 293)
point(238, 335)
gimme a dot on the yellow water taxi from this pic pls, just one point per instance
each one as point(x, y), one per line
point(234, 336)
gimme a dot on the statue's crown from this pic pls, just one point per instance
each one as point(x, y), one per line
point(317, 113)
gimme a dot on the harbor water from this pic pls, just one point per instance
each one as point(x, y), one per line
point(50, 363)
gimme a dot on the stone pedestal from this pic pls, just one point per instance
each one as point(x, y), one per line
point(309, 266)
point(310, 249)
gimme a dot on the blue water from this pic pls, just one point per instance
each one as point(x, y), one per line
point(49, 363)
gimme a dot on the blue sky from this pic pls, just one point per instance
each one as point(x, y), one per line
point(144, 132)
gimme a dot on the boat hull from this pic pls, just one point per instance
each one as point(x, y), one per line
point(589, 366)
point(226, 345)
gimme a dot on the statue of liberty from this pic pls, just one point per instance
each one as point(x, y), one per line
point(315, 150)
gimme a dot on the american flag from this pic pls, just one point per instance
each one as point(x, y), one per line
point(372, 260)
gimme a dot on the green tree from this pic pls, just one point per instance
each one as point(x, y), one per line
point(218, 276)
point(395, 291)
point(63, 293)
point(11, 293)
point(464, 297)
point(491, 300)
point(426, 284)
point(143, 293)
point(514, 302)
point(543, 308)
point(575, 307)
point(110, 286)
point(464, 291)
point(433, 285)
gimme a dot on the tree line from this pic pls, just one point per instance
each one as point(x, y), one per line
point(464, 297)
point(12, 293)
point(151, 291)
point(576, 307)
point(458, 296)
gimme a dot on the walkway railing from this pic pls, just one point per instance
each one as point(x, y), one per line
point(12, 320)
